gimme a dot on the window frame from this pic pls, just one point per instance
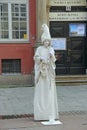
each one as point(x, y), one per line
point(10, 38)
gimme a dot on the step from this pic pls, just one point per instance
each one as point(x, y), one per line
point(71, 80)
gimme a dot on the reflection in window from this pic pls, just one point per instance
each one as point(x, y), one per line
point(11, 65)
point(3, 21)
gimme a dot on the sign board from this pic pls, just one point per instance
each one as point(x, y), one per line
point(68, 16)
point(59, 43)
point(67, 2)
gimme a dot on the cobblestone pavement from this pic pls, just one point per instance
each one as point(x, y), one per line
point(72, 101)
point(19, 101)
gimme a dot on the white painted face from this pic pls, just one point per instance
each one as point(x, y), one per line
point(46, 43)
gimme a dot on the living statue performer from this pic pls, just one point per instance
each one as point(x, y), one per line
point(45, 98)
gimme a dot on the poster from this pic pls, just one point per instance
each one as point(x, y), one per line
point(77, 29)
point(59, 43)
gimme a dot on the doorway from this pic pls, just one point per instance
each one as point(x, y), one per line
point(72, 59)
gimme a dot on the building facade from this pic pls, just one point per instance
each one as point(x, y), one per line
point(67, 20)
point(20, 32)
point(68, 23)
point(17, 38)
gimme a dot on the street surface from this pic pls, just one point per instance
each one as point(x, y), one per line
point(18, 102)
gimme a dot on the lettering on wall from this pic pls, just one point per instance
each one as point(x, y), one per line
point(67, 16)
point(67, 2)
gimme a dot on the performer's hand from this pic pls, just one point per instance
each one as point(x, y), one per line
point(42, 59)
point(51, 55)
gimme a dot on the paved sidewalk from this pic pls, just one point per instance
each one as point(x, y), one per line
point(70, 122)
point(15, 102)
point(19, 101)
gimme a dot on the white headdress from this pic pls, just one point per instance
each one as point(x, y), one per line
point(46, 34)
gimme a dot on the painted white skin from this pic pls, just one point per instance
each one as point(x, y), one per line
point(45, 98)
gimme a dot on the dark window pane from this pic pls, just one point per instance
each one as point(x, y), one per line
point(11, 65)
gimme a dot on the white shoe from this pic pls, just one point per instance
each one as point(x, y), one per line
point(51, 120)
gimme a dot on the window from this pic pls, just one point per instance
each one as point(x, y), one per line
point(11, 66)
point(14, 20)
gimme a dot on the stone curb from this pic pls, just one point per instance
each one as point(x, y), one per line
point(32, 115)
point(16, 116)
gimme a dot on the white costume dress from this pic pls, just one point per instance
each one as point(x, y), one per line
point(45, 98)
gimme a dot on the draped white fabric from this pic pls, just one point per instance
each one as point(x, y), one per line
point(45, 97)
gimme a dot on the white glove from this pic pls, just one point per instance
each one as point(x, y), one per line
point(42, 58)
point(51, 51)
